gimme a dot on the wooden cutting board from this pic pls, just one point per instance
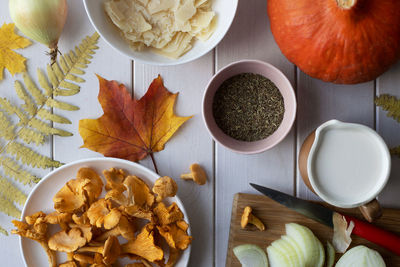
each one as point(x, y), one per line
point(275, 216)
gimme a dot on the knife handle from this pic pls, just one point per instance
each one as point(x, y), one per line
point(376, 235)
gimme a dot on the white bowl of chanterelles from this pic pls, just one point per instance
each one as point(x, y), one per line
point(162, 32)
point(104, 212)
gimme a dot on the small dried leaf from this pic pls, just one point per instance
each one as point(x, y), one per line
point(10, 60)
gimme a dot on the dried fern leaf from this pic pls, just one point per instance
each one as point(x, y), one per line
point(31, 136)
point(47, 115)
point(11, 109)
point(44, 83)
point(60, 79)
point(65, 92)
point(3, 231)
point(57, 71)
point(46, 129)
point(29, 157)
point(6, 127)
point(390, 104)
point(37, 94)
point(74, 78)
point(10, 191)
point(395, 151)
point(52, 103)
point(14, 170)
point(8, 207)
point(29, 106)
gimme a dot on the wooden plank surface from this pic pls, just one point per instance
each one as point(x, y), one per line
point(275, 216)
point(389, 83)
point(190, 144)
point(209, 206)
point(249, 38)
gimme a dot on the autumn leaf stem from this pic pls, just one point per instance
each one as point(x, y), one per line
point(154, 163)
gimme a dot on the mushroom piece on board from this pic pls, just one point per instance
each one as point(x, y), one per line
point(197, 174)
point(248, 217)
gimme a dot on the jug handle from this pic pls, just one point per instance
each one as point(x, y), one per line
point(371, 211)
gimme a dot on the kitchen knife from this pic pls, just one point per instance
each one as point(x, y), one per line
point(324, 215)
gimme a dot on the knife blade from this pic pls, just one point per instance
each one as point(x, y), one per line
point(324, 215)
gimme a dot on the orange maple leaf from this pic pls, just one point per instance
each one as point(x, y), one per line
point(129, 128)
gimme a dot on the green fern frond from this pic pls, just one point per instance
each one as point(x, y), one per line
point(47, 115)
point(395, 151)
point(12, 169)
point(29, 157)
point(60, 79)
point(10, 191)
point(390, 104)
point(31, 136)
point(8, 207)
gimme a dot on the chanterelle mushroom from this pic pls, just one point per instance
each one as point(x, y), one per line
point(83, 259)
point(68, 264)
point(115, 179)
point(59, 218)
point(100, 214)
point(67, 241)
point(138, 191)
point(165, 187)
point(37, 231)
point(175, 236)
point(110, 251)
point(197, 174)
point(144, 245)
point(168, 215)
point(124, 228)
point(247, 218)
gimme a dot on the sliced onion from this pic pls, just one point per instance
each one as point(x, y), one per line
point(321, 259)
point(361, 256)
point(330, 251)
point(251, 256)
point(289, 251)
point(277, 258)
point(299, 252)
point(308, 244)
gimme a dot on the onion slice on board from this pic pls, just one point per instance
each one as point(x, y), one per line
point(330, 252)
point(361, 256)
point(251, 256)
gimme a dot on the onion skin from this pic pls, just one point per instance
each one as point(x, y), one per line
point(40, 20)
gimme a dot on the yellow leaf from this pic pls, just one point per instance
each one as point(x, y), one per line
point(10, 60)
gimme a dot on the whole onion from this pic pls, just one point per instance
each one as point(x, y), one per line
point(40, 20)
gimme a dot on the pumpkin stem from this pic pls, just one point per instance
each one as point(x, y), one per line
point(346, 4)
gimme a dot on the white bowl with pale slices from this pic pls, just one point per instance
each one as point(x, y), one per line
point(224, 10)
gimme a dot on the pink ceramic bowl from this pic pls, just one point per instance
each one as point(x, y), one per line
point(277, 77)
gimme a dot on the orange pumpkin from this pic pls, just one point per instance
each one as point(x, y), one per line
point(339, 41)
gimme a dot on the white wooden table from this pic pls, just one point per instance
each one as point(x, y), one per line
point(209, 206)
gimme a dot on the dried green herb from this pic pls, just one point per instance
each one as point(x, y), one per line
point(248, 107)
point(391, 104)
